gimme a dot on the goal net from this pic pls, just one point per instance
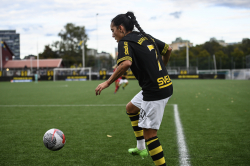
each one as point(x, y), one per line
point(72, 74)
point(241, 74)
point(226, 72)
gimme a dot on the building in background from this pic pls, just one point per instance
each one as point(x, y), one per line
point(221, 42)
point(5, 54)
point(179, 43)
point(93, 52)
point(12, 39)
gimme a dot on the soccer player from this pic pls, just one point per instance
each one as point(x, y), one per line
point(147, 58)
point(123, 80)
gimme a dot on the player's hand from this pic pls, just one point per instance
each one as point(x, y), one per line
point(100, 87)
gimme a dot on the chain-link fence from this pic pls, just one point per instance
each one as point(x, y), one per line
point(208, 63)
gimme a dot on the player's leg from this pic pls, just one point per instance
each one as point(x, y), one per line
point(151, 115)
point(126, 83)
point(120, 82)
point(116, 85)
point(154, 147)
point(133, 108)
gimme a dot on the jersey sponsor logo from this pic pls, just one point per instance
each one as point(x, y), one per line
point(164, 82)
point(141, 40)
point(126, 48)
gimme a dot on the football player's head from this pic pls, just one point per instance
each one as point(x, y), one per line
point(123, 24)
point(120, 26)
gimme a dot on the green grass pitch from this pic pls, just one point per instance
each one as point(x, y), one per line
point(215, 116)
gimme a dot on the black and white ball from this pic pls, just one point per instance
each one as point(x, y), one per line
point(54, 139)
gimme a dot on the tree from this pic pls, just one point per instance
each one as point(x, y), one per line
point(48, 53)
point(71, 37)
point(68, 47)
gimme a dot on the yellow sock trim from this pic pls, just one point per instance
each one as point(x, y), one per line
point(134, 115)
point(160, 161)
point(149, 142)
point(156, 151)
point(138, 133)
point(134, 123)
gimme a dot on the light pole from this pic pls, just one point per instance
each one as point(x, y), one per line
point(187, 56)
point(97, 32)
point(37, 57)
point(1, 53)
point(83, 55)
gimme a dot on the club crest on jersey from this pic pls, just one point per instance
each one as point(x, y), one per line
point(150, 47)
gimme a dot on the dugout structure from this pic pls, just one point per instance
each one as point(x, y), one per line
point(72, 74)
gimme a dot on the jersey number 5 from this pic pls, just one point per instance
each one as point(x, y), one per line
point(151, 47)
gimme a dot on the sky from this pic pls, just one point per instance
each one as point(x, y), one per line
point(39, 22)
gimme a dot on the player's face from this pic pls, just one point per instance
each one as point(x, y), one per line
point(116, 32)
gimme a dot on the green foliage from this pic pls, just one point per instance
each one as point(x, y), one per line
point(70, 38)
point(68, 47)
point(201, 56)
point(48, 53)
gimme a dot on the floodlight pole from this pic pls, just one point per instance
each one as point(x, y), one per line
point(97, 31)
point(1, 56)
point(37, 57)
point(83, 54)
point(187, 56)
point(215, 68)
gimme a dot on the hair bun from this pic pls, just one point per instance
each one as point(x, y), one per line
point(130, 15)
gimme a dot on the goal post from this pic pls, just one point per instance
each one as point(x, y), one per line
point(226, 72)
point(72, 74)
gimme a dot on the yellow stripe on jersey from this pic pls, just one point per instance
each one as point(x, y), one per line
point(124, 58)
point(164, 50)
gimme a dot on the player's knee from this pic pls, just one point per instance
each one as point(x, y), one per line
point(130, 108)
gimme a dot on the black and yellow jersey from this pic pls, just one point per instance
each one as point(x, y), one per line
point(151, 74)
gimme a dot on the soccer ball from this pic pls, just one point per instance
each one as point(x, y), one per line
point(54, 139)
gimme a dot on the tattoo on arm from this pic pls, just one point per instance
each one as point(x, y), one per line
point(117, 74)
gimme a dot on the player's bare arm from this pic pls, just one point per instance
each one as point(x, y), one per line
point(166, 57)
point(122, 68)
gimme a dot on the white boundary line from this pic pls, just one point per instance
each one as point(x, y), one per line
point(56, 105)
point(183, 152)
point(83, 105)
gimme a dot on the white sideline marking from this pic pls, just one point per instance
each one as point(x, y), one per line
point(83, 105)
point(183, 152)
